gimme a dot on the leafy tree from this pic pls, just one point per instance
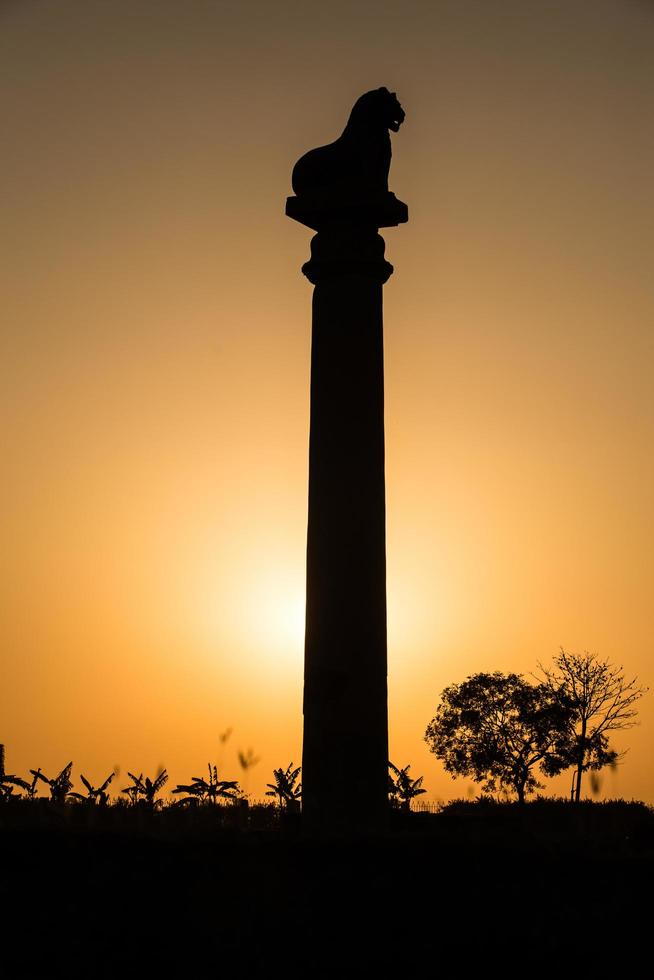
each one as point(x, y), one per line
point(284, 788)
point(209, 790)
point(497, 729)
point(59, 786)
point(598, 700)
point(145, 790)
point(94, 795)
point(402, 788)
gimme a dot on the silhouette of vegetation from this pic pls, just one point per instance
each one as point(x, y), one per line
point(223, 739)
point(60, 786)
point(597, 699)
point(143, 791)
point(497, 728)
point(94, 795)
point(402, 789)
point(31, 793)
point(286, 788)
point(247, 760)
point(210, 790)
point(7, 782)
point(196, 871)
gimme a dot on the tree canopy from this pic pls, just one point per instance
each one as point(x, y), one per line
point(498, 729)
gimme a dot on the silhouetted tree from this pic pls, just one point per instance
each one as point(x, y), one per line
point(210, 790)
point(93, 795)
point(598, 700)
point(402, 788)
point(497, 728)
point(284, 788)
point(145, 790)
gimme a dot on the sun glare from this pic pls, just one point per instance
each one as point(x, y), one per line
point(280, 607)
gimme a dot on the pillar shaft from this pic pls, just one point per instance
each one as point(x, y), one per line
point(345, 748)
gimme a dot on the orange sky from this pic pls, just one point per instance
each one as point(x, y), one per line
point(155, 358)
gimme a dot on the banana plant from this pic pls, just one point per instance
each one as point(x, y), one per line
point(145, 790)
point(59, 786)
point(402, 788)
point(209, 790)
point(7, 782)
point(32, 788)
point(284, 788)
point(94, 795)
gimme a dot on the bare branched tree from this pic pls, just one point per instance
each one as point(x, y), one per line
point(600, 700)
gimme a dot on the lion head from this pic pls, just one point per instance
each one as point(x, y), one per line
point(379, 108)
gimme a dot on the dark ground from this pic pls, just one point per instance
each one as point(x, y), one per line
point(479, 886)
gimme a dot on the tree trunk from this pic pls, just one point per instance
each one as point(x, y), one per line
point(580, 761)
point(580, 769)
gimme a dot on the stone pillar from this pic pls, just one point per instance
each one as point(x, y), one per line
point(345, 747)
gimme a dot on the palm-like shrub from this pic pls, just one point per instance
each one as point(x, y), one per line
point(143, 791)
point(94, 795)
point(402, 788)
point(284, 788)
point(210, 790)
point(31, 791)
point(59, 786)
point(7, 782)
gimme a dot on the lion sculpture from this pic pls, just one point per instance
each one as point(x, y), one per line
point(357, 163)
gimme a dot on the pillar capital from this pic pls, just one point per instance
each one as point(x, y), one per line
point(347, 242)
point(347, 250)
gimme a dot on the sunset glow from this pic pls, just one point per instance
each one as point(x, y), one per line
point(156, 344)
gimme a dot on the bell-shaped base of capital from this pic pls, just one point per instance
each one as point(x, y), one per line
point(347, 251)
